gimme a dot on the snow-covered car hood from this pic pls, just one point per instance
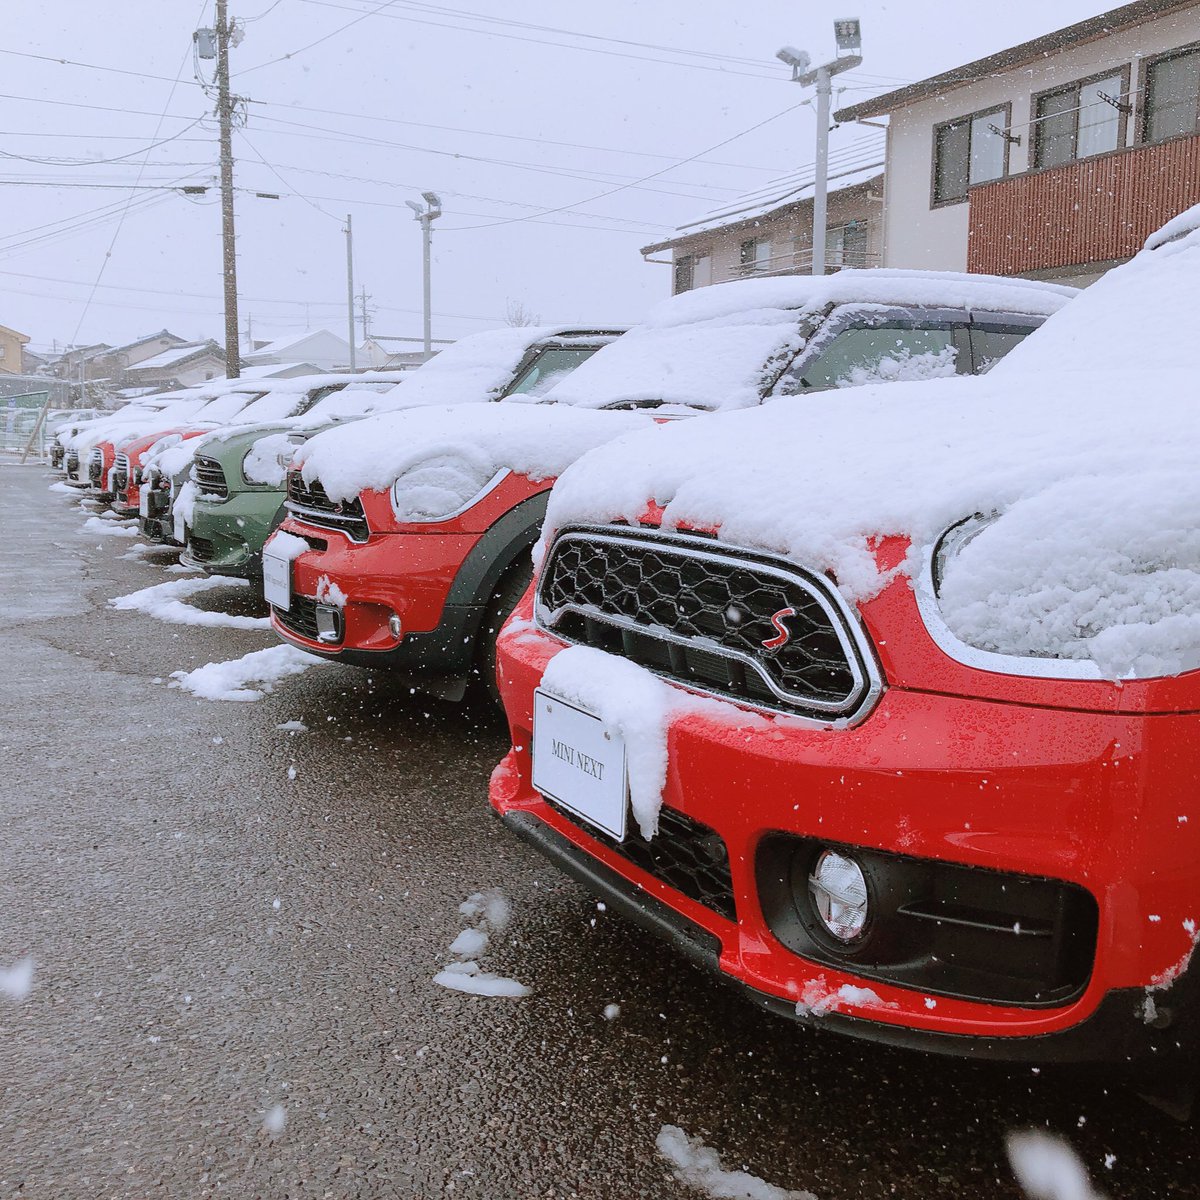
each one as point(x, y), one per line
point(534, 440)
point(719, 348)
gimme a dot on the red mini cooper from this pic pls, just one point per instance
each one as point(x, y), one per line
point(892, 717)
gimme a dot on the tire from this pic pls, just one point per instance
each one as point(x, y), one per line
point(511, 588)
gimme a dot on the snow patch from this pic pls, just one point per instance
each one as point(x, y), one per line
point(699, 1166)
point(328, 592)
point(817, 998)
point(15, 981)
point(1047, 1168)
point(110, 527)
point(292, 727)
point(233, 680)
point(489, 911)
point(287, 546)
point(164, 602)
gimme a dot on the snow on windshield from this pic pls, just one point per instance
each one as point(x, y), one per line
point(371, 454)
point(722, 347)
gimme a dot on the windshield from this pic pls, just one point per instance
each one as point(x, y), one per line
point(353, 400)
point(551, 365)
point(224, 407)
point(273, 406)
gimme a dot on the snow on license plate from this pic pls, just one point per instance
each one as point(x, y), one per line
point(277, 579)
point(579, 764)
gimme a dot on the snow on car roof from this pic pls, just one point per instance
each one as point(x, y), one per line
point(1096, 552)
point(718, 347)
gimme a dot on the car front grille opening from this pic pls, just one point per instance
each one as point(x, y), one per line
point(311, 503)
point(300, 618)
point(756, 631)
point(209, 477)
point(120, 475)
point(683, 854)
point(201, 549)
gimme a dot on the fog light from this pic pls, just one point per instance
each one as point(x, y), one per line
point(394, 626)
point(839, 895)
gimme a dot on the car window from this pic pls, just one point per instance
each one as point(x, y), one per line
point(548, 368)
point(990, 344)
point(881, 353)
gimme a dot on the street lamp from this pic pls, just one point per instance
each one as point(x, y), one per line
point(427, 214)
point(848, 33)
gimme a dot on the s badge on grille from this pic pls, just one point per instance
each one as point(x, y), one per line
point(785, 634)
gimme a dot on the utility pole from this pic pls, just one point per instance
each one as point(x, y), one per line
point(427, 215)
point(849, 37)
point(233, 360)
point(364, 315)
point(350, 287)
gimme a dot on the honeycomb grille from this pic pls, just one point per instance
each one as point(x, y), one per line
point(683, 854)
point(309, 501)
point(209, 477)
point(300, 619)
point(757, 631)
point(120, 477)
point(96, 465)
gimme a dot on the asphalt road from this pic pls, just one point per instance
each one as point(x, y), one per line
point(145, 837)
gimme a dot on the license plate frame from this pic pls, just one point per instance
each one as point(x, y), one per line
point(579, 764)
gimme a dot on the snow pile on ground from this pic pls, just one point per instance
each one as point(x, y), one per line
point(60, 486)
point(817, 998)
point(699, 1166)
point(15, 981)
point(292, 727)
point(639, 707)
point(165, 602)
point(110, 527)
point(233, 680)
point(262, 462)
point(528, 439)
point(275, 1120)
point(1048, 1169)
point(723, 348)
point(489, 912)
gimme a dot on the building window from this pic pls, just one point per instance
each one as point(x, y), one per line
point(685, 274)
point(967, 151)
point(702, 274)
point(1079, 121)
point(755, 254)
point(846, 245)
point(1172, 96)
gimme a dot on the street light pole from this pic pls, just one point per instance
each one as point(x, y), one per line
point(849, 37)
point(233, 361)
point(427, 214)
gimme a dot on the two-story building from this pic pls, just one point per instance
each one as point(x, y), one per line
point(768, 231)
point(12, 346)
point(1052, 159)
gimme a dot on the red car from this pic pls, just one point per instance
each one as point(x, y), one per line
point(902, 738)
point(416, 571)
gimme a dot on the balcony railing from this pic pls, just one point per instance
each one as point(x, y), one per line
point(799, 262)
point(1095, 210)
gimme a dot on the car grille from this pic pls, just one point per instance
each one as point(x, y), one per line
point(310, 502)
point(683, 854)
point(72, 461)
point(703, 616)
point(201, 549)
point(96, 466)
point(209, 477)
point(120, 477)
point(300, 619)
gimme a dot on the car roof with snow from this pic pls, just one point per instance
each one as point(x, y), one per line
point(721, 347)
point(1095, 553)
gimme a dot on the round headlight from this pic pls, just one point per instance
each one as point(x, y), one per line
point(838, 889)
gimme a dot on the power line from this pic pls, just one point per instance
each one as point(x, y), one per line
point(89, 162)
point(301, 49)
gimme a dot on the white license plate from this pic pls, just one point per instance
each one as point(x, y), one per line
point(144, 501)
point(277, 579)
point(580, 764)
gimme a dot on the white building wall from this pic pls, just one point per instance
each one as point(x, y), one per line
point(920, 236)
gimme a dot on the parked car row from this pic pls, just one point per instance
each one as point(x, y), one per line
point(863, 673)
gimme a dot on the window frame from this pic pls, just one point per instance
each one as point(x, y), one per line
point(967, 119)
point(1143, 124)
point(1077, 86)
point(685, 263)
point(752, 265)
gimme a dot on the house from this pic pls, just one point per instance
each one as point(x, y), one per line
point(1053, 159)
point(380, 353)
point(12, 346)
point(77, 363)
point(325, 350)
point(768, 231)
point(116, 360)
point(179, 367)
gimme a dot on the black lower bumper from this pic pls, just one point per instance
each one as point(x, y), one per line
point(1116, 1033)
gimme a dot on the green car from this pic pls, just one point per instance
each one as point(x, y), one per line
point(237, 490)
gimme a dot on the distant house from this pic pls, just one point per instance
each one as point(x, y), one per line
point(291, 370)
point(115, 361)
point(768, 231)
point(181, 366)
point(77, 363)
point(12, 346)
point(1052, 159)
point(380, 353)
point(325, 350)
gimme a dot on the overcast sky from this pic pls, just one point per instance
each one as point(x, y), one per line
point(482, 102)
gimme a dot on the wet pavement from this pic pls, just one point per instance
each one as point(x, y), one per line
point(145, 838)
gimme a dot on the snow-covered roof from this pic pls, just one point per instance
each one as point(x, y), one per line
point(176, 356)
point(296, 370)
point(859, 161)
point(1083, 444)
point(716, 346)
point(299, 344)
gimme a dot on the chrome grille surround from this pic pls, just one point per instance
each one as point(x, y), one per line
point(310, 502)
point(120, 475)
point(209, 477)
point(667, 602)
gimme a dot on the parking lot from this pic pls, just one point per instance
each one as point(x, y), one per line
point(235, 929)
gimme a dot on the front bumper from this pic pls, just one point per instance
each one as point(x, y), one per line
point(1099, 800)
point(226, 538)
